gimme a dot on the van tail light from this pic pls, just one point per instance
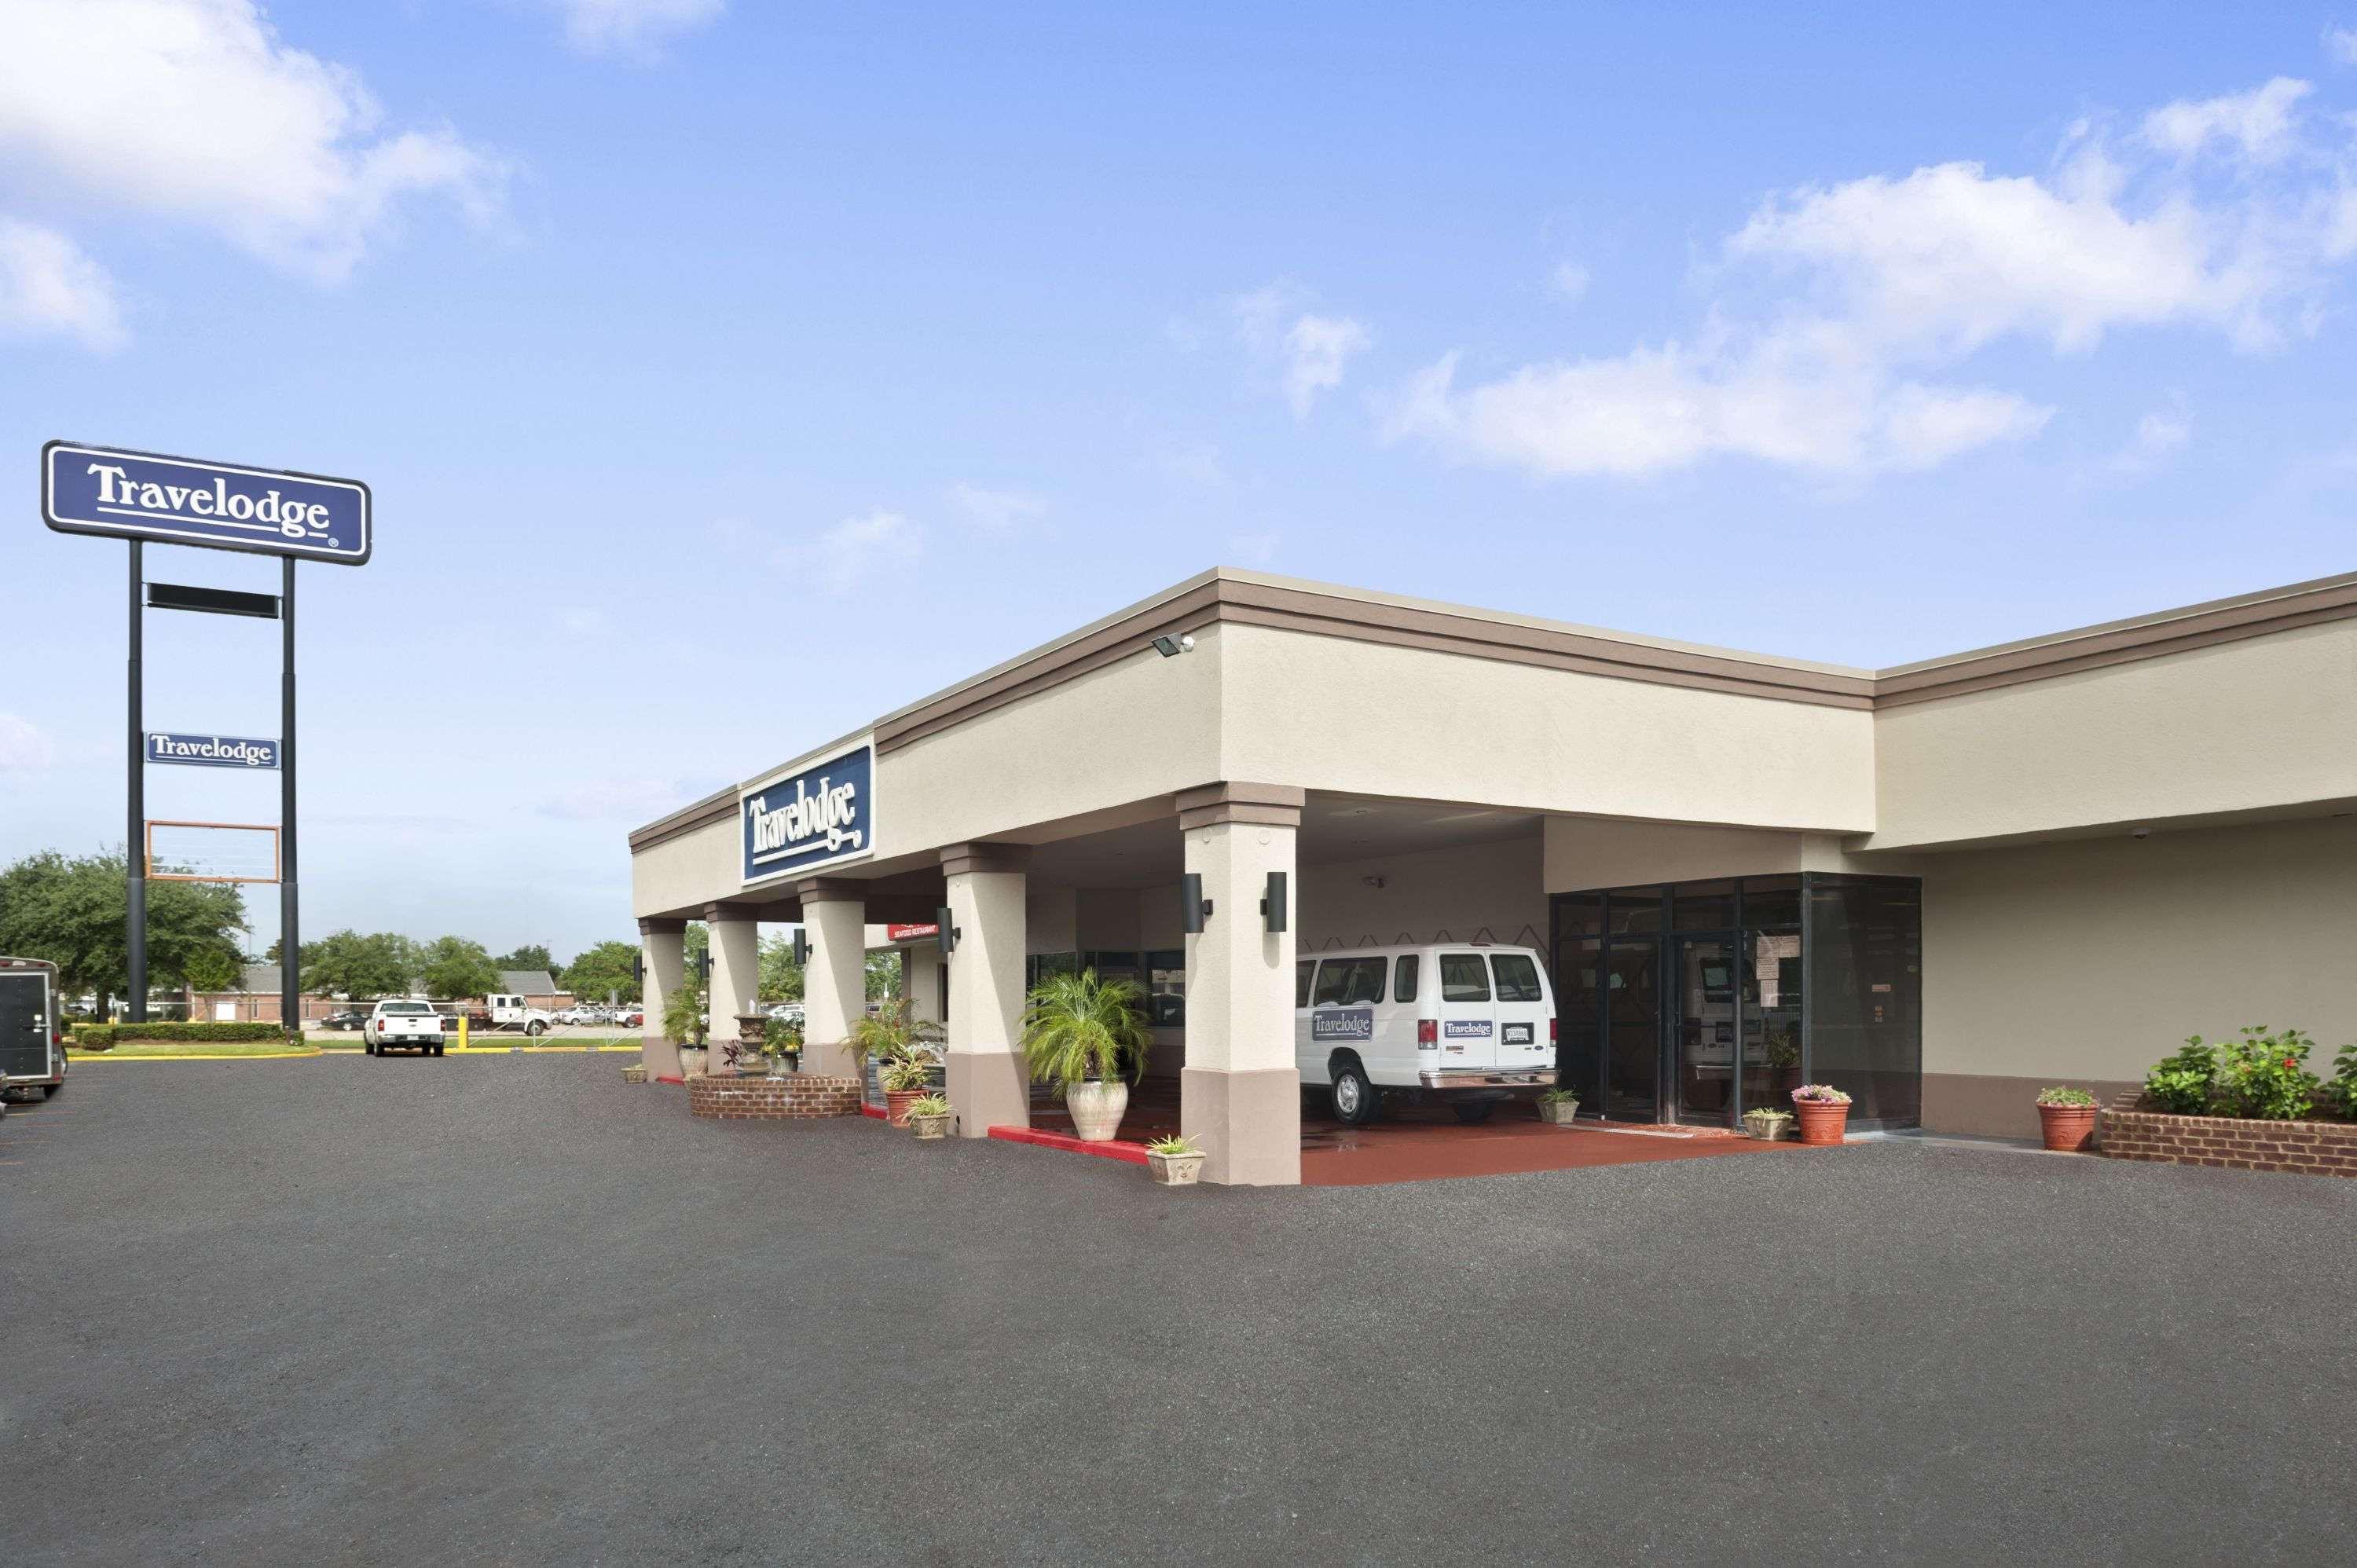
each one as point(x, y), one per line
point(1551, 1036)
point(1427, 1034)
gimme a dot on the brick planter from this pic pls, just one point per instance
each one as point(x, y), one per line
point(797, 1097)
point(2130, 1131)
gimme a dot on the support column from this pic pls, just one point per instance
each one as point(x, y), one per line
point(835, 981)
point(987, 1084)
point(1240, 1092)
point(921, 983)
point(736, 948)
point(662, 946)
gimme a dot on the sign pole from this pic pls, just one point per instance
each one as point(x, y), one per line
point(290, 947)
point(134, 846)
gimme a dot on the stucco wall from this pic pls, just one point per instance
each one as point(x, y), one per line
point(2268, 722)
point(693, 869)
point(1459, 891)
point(2092, 959)
point(1332, 715)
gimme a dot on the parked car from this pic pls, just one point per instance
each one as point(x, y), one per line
point(32, 1028)
point(629, 1018)
point(1467, 1024)
point(403, 1026)
point(347, 1020)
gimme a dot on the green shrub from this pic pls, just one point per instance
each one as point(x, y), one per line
point(2342, 1090)
point(2264, 1077)
point(2179, 1084)
point(105, 1036)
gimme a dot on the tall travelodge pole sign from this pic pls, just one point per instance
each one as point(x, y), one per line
point(220, 505)
point(147, 497)
point(822, 814)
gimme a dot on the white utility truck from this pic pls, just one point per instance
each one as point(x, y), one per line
point(509, 1012)
point(403, 1026)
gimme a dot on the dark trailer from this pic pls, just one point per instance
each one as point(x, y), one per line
point(32, 1034)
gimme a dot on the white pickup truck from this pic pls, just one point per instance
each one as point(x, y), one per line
point(403, 1026)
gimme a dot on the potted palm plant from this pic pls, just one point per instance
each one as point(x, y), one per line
point(1174, 1161)
point(929, 1116)
point(2066, 1119)
point(906, 1080)
point(683, 1025)
point(1824, 1112)
point(1557, 1107)
point(781, 1042)
point(1081, 1034)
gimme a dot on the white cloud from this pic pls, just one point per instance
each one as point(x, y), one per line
point(632, 26)
point(1570, 279)
point(2340, 45)
point(1313, 350)
point(49, 287)
point(855, 550)
point(994, 510)
point(1842, 314)
point(194, 110)
point(2258, 122)
point(2159, 433)
point(23, 748)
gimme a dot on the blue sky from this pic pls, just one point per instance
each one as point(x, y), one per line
point(728, 374)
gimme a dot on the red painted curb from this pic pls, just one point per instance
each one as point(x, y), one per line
point(1128, 1154)
point(666, 1077)
point(875, 1111)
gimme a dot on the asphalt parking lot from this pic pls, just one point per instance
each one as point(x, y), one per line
point(507, 1309)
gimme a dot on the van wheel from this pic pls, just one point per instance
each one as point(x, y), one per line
point(1473, 1113)
point(1354, 1098)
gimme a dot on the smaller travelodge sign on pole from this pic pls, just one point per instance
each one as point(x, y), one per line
point(221, 506)
point(212, 750)
point(821, 815)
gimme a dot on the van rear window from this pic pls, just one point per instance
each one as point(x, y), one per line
point(1518, 977)
point(1302, 972)
point(1350, 982)
point(1404, 977)
point(1464, 977)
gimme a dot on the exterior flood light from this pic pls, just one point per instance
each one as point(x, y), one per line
point(1194, 909)
point(1273, 904)
point(1172, 647)
point(949, 931)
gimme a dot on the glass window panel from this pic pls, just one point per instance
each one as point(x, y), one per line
point(1772, 1019)
point(1464, 977)
point(1633, 909)
point(1703, 1027)
point(1517, 978)
point(1579, 914)
point(1579, 1000)
point(1404, 981)
point(1865, 964)
point(1703, 906)
point(1350, 982)
point(1112, 965)
point(1633, 1032)
point(1166, 987)
point(1772, 902)
point(1303, 972)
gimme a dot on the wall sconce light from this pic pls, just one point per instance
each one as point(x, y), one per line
point(1273, 903)
point(801, 947)
point(1193, 908)
point(950, 933)
point(1172, 647)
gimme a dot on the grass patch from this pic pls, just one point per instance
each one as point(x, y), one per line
point(147, 1049)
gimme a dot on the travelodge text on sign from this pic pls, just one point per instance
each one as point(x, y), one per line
point(221, 506)
point(819, 816)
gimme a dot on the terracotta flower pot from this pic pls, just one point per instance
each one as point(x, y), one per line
point(2068, 1129)
point(1821, 1122)
point(896, 1102)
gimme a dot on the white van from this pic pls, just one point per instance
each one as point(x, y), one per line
point(1466, 1021)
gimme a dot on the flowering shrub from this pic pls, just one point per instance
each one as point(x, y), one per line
point(2065, 1096)
point(2262, 1076)
point(1819, 1094)
point(2342, 1090)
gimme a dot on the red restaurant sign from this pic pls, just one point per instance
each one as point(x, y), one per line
point(909, 933)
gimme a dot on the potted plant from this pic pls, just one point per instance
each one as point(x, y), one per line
point(1557, 1106)
point(683, 1025)
point(1081, 1034)
point(1765, 1124)
point(781, 1042)
point(906, 1080)
point(1824, 1111)
point(892, 1032)
point(929, 1116)
point(2066, 1118)
point(1174, 1161)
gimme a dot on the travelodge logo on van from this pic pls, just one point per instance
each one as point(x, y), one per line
point(1342, 1023)
point(816, 817)
point(1466, 1029)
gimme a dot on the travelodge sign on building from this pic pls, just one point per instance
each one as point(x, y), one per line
point(821, 815)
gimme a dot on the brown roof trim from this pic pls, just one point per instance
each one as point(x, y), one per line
point(714, 808)
point(2121, 641)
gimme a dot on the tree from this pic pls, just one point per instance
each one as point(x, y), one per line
point(453, 967)
point(71, 911)
point(883, 975)
point(601, 970)
point(531, 955)
point(383, 964)
point(781, 977)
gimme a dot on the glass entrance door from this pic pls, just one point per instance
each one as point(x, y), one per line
point(1701, 1026)
point(1633, 1027)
